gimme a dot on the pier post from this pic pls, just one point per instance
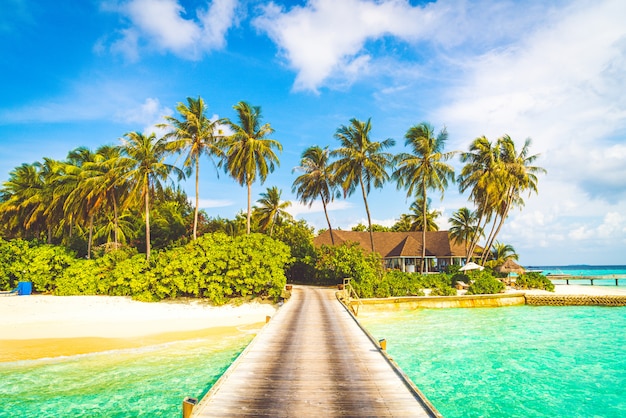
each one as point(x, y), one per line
point(188, 405)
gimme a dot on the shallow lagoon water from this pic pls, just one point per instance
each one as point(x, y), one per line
point(146, 382)
point(513, 361)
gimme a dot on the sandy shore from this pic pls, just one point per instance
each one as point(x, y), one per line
point(47, 326)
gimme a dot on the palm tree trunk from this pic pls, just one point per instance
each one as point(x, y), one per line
point(424, 203)
point(49, 234)
point(249, 207)
point(115, 221)
point(147, 202)
point(90, 237)
point(330, 229)
point(367, 210)
point(489, 241)
point(195, 212)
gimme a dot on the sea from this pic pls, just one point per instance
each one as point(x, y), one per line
point(519, 361)
point(145, 382)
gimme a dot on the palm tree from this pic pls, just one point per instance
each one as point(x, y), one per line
point(503, 252)
point(104, 183)
point(464, 228)
point(361, 162)
point(418, 219)
point(248, 151)
point(195, 134)
point(425, 169)
point(271, 210)
point(497, 175)
point(23, 204)
point(317, 180)
point(146, 169)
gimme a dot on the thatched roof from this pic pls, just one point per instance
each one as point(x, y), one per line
point(510, 266)
point(397, 244)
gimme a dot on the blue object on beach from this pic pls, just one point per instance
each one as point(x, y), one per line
point(24, 288)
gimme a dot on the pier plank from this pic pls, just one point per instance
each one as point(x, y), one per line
point(312, 359)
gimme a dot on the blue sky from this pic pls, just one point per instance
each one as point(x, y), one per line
point(84, 72)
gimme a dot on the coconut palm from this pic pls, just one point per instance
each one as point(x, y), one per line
point(361, 162)
point(249, 154)
point(424, 169)
point(497, 175)
point(145, 160)
point(271, 210)
point(317, 180)
point(418, 219)
point(502, 252)
point(22, 205)
point(197, 135)
point(104, 184)
point(464, 227)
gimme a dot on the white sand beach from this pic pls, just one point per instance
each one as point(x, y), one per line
point(42, 326)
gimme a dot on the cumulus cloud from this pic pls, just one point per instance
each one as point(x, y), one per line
point(563, 87)
point(165, 25)
point(326, 38)
point(326, 41)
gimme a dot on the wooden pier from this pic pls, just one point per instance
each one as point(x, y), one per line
point(591, 279)
point(313, 359)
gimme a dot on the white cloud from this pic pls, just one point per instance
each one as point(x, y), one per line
point(165, 25)
point(326, 38)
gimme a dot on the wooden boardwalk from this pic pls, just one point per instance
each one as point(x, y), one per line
point(313, 359)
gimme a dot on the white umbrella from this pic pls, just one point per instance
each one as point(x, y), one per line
point(471, 266)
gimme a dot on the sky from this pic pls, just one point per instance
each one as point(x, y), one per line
point(85, 72)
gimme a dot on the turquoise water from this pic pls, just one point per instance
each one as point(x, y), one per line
point(512, 362)
point(146, 382)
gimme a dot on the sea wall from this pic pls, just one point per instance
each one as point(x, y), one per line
point(414, 302)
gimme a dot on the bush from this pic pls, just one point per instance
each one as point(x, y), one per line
point(441, 289)
point(403, 284)
point(534, 280)
point(484, 284)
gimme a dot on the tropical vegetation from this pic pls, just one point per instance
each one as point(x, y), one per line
point(122, 205)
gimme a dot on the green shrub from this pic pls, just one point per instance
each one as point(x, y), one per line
point(441, 289)
point(452, 269)
point(334, 263)
point(484, 283)
point(403, 284)
point(534, 280)
point(459, 277)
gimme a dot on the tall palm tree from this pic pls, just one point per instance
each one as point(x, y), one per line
point(497, 174)
point(464, 227)
point(248, 152)
point(271, 210)
point(317, 180)
point(424, 169)
point(195, 134)
point(361, 162)
point(145, 159)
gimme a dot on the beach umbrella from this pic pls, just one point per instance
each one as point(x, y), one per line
point(471, 266)
point(510, 266)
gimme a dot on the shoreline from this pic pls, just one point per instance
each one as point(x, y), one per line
point(43, 326)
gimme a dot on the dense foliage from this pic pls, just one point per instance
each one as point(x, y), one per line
point(216, 266)
point(484, 283)
point(534, 280)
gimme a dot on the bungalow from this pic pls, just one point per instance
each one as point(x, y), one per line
point(403, 250)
